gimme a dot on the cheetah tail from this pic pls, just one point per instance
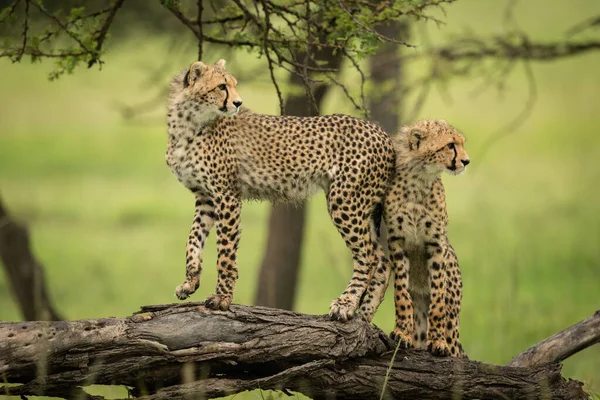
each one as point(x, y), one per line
point(376, 215)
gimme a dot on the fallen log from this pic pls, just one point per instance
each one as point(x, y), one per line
point(172, 351)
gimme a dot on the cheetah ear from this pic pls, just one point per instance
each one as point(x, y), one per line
point(193, 73)
point(414, 139)
point(221, 64)
point(443, 121)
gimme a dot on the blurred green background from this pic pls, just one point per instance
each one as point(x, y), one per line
point(110, 222)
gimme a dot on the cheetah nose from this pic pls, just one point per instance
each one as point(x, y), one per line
point(237, 103)
point(466, 162)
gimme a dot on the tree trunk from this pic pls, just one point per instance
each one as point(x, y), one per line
point(385, 103)
point(281, 262)
point(218, 353)
point(24, 272)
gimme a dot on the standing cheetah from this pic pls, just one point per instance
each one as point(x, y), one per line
point(223, 155)
point(428, 282)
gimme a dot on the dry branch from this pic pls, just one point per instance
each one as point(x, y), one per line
point(171, 351)
point(562, 345)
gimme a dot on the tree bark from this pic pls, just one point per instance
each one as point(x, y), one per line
point(281, 262)
point(25, 273)
point(172, 351)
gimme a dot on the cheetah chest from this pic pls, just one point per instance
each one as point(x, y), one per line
point(419, 226)
point(187, 160)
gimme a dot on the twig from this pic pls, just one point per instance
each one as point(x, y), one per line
point(11, 9)
point(221, 20)
point(62, 26)
point(372, 31)
point(580, 27)
point(200, 30)
point(25, 29)
point(40, 53)
point(271, 70)
point(363, 102)
point(94, 14)
point(101, 36)
point(312, 102)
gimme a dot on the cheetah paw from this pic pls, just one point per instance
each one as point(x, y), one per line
point(404, 339)
point(438, 348)
point(341, 310)
point(218, 302)
point(184, 290)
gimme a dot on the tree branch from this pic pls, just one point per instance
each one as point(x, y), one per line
point(561, 345)
point(218, 353)
point(501, 48)
point(101, 35)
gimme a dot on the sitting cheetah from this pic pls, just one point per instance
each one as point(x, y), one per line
point(428, 282)
point(224, 154)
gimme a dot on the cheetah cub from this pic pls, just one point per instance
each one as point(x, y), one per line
point(224, 154)
point(428, 284)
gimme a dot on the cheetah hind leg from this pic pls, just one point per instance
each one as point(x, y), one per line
point(378, 281)
point(348, 213)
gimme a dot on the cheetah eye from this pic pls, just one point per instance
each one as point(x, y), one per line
point(451, 146)
point(223, 86)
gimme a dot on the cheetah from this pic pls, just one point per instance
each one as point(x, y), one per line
point(225, 154)
point(428, 283)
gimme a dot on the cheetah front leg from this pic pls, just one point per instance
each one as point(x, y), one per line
point(204, 217)
point(436, 318)
point(228, 210)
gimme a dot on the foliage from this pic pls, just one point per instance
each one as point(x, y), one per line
point(287, 34)
point(279, 30)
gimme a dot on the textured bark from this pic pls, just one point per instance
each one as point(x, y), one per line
point(281, 262)
point(562, 345)
point(25, 273)
point(172, 351)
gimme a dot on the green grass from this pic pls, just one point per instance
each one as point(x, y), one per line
point(110, 222)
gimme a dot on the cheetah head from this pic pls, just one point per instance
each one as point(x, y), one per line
point(436, 144)
point(209, 89)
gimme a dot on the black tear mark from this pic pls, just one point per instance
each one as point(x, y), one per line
point(224, 108)
point(453, 165)
point(185, 79)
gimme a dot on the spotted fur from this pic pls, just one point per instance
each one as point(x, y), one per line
point(427, 282)
point(224, 155)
